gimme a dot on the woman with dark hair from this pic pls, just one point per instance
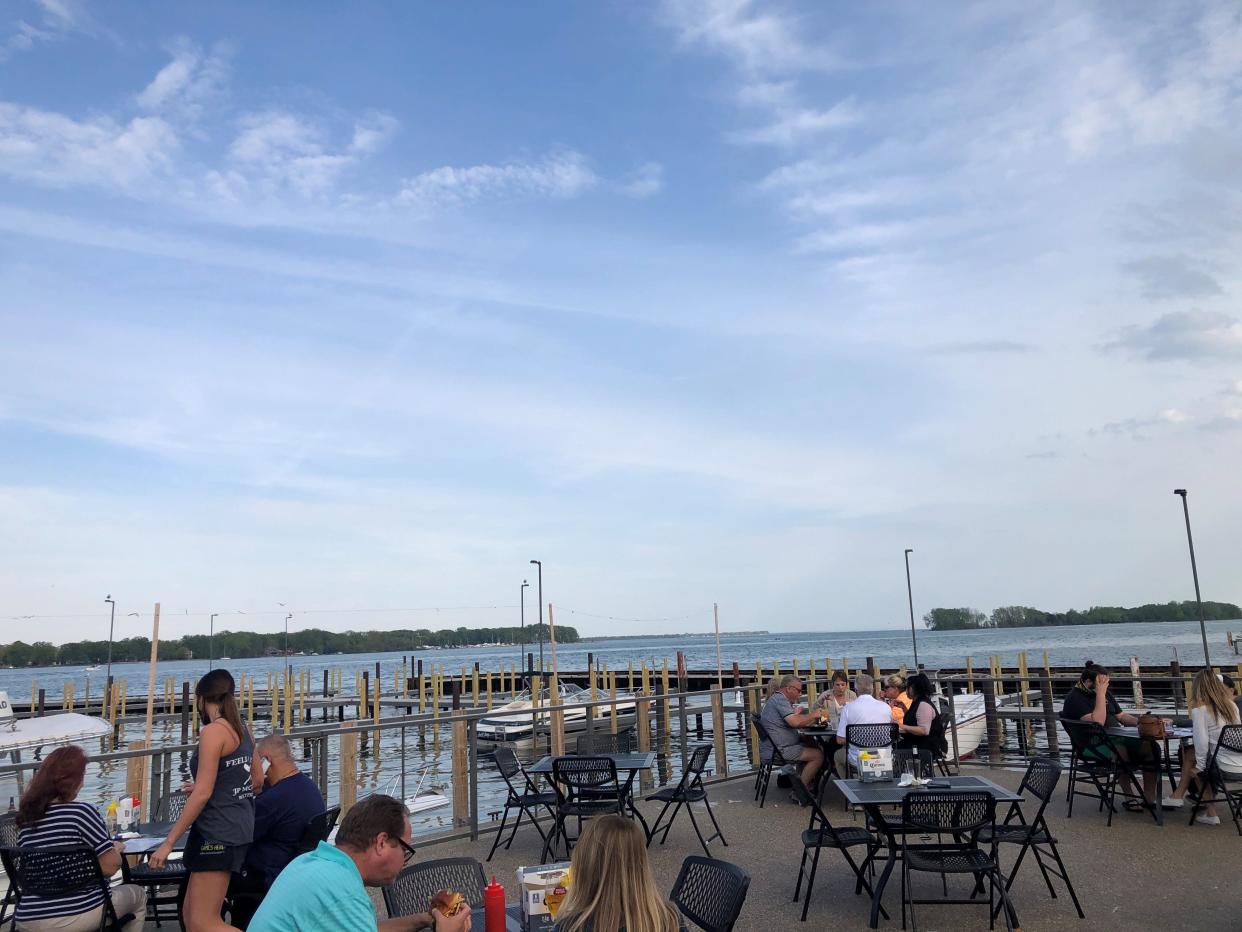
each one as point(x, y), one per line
point(219, 812)
point(50, 816)
point(916, 725)
point(1091, 701)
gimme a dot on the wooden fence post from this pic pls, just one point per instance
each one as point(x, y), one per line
point(718, 733)
point(349, 771)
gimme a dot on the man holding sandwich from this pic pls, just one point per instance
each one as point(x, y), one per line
point(326, 889)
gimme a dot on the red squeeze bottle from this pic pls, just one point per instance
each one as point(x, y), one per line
point(494, 907)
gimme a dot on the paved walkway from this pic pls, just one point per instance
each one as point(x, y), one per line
point(1135, 875)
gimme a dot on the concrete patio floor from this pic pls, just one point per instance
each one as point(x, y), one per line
point(1134, 875)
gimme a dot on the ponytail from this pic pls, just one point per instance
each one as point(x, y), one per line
point(217, 686)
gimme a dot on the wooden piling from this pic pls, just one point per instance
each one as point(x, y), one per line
point(557, 738)
point(1136, 684)
point(991, 721)
point(718, 733)
point(461, 760)
point(349, 771)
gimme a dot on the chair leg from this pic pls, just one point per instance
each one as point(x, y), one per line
point(1011, 915)
point(801, 871)
point(671, 819)
point(500, 831)
point(1065, 876)
point(656, 825)
point(695, 823)
point(810, 882)
point(719, 834)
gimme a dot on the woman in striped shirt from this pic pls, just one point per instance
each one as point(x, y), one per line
point(50, 816)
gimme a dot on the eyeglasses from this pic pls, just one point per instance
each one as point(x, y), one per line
point(408, 857)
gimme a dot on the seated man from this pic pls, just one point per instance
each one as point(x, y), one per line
point(865, 710)
point(780, 718)
point(285, 802)
point(325, 890)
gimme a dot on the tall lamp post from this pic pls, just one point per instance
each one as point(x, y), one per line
point(111, 626)
point(211, 640)
point(1207, 661)
point(522, 636)
point(539, 563)
point(910, 595)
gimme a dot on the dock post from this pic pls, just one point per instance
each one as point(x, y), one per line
point(1175, 687)
point(1050, 714)
point(557, 738)
point(349, 771)
point(970, 675)
point(1136, 683)
point(185, 712)
point(991, 721)
point(613, 684)
point(875, 675)
point(42, 701)
point(662, 720)
point(474, 685)
point(718, 733)
point(324, 713)
point(753, 704)
point(461, 798)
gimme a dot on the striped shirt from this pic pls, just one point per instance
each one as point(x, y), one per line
point(64, 824)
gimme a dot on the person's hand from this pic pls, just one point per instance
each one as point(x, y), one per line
point(1101, 683)
point(456, 923)
point(159, 857)
point(187, 787)
point(119, 846)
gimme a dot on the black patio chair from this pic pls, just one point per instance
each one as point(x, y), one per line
point(318, 829)
point(58, 872)
point(764, 774)
point(174, 805)
point(8, 839)
point(573, 778)
point(173, 879)
point(962, 817)
point(940, 742)
point(604, 742)
point(710, 893)
point(524, 796)
point(689, 790)
point(1096, 763)
point(1227, 791)
point(1040, 780)
point(819, 834)
point(414, 887)
point(869, 737)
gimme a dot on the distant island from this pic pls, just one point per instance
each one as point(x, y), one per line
point(1022, 616)
point(237, 644)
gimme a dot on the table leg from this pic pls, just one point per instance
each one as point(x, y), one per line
point(890, 862)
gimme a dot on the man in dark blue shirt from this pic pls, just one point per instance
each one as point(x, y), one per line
point(288, 800)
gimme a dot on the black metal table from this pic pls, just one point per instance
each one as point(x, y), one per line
point(631, 764)
point(873, 796)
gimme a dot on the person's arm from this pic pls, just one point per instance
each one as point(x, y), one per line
point(211, 743)
point(925, 716)
point(841, 722)
point(1099, 713)
point(1199, 725)
point(432, 920)
point(95, 834)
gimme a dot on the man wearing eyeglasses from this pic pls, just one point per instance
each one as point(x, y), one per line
point(326, 889)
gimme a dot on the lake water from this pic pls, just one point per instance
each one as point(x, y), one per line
point(1154, 644)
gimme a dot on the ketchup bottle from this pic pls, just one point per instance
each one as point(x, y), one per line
point(494, 907)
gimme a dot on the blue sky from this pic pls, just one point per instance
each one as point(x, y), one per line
point(698, 301)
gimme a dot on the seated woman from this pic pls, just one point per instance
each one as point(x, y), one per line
point(1211, 709)
point(612, 888)
point(916, 724)
point(894, 693)
point(1091, 701)
point(834, 699)
point(50, 816)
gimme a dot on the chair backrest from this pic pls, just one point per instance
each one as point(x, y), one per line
point(578, 773)
point(317, 829)
point(8, 830)
point(710, 892)
point(507, 762)
point(414, 887)
point(334, 813)
point(603, 742)
point(1042, 775)
point(938, 736)
point(698, 759)
point(1084, 736)
point(56, 872)
point(1231, 740)
point(951, 813)
point(175, 805)
point(870, 736)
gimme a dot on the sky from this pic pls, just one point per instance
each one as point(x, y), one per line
point(351, 311)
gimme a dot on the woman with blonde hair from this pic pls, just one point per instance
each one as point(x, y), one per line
point(612, 888)
point(1211, 709)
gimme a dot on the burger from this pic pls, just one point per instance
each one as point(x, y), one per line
point(448, 902)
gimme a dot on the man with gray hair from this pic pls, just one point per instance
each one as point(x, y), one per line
point(865, 710)
point(781, 719)
point(285, 801)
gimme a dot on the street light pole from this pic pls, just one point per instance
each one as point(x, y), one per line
point(111, 626)
point(211, 638)
point(539, 563)
point(522, 636)
point(1207, 662)
point(288, 663)
point(910, 595)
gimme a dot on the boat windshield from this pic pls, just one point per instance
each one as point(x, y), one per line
point(564, 690)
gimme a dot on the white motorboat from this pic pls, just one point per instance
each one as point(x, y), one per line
point(971, 726)
point(519, 720)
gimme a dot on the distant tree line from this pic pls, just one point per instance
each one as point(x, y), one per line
point(1022, 616)
point(252, 644)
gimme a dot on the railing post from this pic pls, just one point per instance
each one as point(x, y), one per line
point(718, 733)
point(990, 720)
point(1175, 687)
point(349, 770)
point(1050, 714)
point(1136, 684)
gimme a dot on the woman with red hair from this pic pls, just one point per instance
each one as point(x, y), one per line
point(49, 817)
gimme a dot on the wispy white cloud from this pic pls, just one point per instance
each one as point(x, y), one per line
point(646, 180)
point(1182, 335)
point(765, 40)
point(562, 174)
point(54, 21)
point(188, 84)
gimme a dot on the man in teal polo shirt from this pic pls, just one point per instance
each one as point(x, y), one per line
point(325, 890)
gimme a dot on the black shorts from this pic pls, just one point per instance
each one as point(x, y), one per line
point(203, 854)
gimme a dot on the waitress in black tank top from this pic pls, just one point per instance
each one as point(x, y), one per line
point(219, 813)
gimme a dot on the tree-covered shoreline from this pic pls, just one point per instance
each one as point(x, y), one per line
point(1022, 616)
point(238, 644)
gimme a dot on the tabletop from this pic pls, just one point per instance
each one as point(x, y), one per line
point(815, 732)
point(1131, 731)
point(889, 793)
point(642, 760)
